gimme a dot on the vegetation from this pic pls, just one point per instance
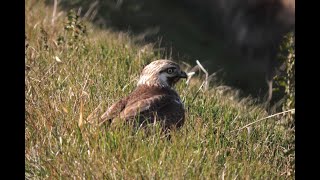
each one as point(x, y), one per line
point(285, 80)
point(74, 71)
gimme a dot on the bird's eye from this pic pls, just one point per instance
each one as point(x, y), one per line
point(170, 70)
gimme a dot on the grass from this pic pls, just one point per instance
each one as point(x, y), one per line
point(71, 75)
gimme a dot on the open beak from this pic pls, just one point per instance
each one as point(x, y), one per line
point(183, 74)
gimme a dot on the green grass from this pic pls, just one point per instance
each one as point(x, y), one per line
point(101, 67)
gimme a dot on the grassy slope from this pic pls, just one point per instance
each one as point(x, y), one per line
point(100, 69)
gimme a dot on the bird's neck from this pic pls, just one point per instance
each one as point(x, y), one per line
point(153, 82)
point(156, 88)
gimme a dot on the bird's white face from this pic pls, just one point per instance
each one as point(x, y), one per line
point(163, 73)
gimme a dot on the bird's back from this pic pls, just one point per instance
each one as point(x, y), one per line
point(148, 103)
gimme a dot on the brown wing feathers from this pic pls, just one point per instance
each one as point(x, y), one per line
point(146, 101)
point(113, 110)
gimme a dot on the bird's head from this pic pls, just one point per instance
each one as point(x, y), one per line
point(163, 73)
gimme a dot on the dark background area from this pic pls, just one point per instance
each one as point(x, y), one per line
point(241, 37)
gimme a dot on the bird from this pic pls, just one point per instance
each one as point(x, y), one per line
point(153, 99)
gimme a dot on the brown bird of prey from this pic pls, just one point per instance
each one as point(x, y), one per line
point(154, 98)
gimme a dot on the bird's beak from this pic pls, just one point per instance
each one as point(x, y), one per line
point(183, 74)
